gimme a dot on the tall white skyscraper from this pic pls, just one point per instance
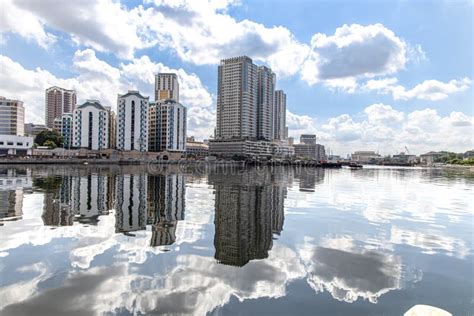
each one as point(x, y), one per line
point(132, 121)
point(57, 102)
point(279, 115)
point(266, 90)
point(12, 117)
point(167, 126)
point(166, 87)
point(90, 126)
point(237, 99)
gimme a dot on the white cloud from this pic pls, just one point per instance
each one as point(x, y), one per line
point(96, 79)
point(354, 51)
point(24, 23)
point(432, 90)
point(384, 129)
point(104, 25)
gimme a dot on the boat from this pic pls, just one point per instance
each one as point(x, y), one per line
point(354, 166)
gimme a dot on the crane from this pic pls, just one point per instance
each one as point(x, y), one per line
point(408, 152)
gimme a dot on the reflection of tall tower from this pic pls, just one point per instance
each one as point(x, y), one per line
point(90, 194)
point(13, 182)
point(309, 177)
point(57, 206)
point(166, 201)
point(248, 212)
point(131, 206)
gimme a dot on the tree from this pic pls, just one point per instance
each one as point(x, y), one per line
point(49, 135)
point(50, 144)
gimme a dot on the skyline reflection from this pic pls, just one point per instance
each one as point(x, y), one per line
point(218, 242)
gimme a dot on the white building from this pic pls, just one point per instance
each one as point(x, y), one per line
point(365, 156)
point(167, 126)
point(12, 117)
point(166, 87)
point(265, 96)
point(67, 129)
point(132, 121)
point(15, 145)
point(91, 122)
point(279, 116)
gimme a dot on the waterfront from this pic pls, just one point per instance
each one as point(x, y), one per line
point(135, 239)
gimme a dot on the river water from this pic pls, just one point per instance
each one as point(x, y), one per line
point(85, 240)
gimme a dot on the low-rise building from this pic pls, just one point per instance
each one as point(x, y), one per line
point(196, 149)
point(32, 129)
point(429, 158)
point(365, 156)
point(13, 145)
point(250, 149)
point(310, 150)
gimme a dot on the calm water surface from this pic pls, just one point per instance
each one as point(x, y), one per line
point(282, 241)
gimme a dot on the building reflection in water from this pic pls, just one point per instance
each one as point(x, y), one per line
point(139, 200)
point(14, 183)
point(157, 200)
point(249, 209)
point(309, 177)
point(166, 196)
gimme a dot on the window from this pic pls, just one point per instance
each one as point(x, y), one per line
point(10, 143)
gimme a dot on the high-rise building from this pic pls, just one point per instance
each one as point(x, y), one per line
point(132, 121)
point(167, 126)
point(265, 96)
point(91, 126)
point(112, 128)
point(57, 102)
point(12, 117)
point(67, 129)
point(279, 116)
point(166, 87)
point(237, 99)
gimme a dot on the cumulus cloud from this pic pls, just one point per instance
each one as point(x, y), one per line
point(104, 25)
point(354, 51)
point(96, 79)
point(432, 90)
point(382, 128)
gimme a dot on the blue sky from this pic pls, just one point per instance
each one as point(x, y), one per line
point(377, 75)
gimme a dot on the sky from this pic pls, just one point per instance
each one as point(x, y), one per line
point(361, 75)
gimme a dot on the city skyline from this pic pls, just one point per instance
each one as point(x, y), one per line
point(404, 88)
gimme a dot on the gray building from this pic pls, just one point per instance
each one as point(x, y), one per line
point(265, 97)
point(279, 116)
point(237, 99)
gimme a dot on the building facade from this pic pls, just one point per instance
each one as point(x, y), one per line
point(67, 129)
point(237, 99)
point(15, 145)
point(166, 87)
point(365, 156)
point(279, 116)
point(132, 121)
point(57, 102)
point(265, 107)
point(12, 117)
point(310, 151)
point(32, 129)
point(91, 124)
point(167, 126)
point(112, 128)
